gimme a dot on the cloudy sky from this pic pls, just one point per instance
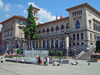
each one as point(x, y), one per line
point(48, 8)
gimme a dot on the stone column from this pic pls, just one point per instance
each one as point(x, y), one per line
point(58, 43)
point(45, 43)
point(54, 42)
point(29, 44)
point(42, 43)
point(50, 43)
point(67, 44)
point(35, 44)
point(38, 44)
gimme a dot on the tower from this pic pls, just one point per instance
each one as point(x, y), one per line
point(35, 14)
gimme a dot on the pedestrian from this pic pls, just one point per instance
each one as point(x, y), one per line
point(60, 61)
point(16, 60)
point(2, 60)
point(48, 60)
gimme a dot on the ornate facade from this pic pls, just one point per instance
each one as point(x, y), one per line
point(79, 30)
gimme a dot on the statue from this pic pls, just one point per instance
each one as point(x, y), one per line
point(20, 23)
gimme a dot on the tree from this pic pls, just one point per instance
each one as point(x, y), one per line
point(30, 29)
point(97, 46)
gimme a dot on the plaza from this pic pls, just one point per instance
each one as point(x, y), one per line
point(78, 32)
point(10, 68)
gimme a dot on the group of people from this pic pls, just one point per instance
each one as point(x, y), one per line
point(40, 61)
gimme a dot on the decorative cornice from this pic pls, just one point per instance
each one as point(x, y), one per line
point(13, 17)
point(53, 21)
point(83, 5)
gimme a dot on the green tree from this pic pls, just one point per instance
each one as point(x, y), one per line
point(30, 29)
point(60, 53)
point(52, 52)
point(97, 46)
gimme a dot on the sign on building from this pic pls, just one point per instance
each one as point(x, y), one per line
point(98, 38)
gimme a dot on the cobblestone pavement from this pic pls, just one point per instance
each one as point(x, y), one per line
point(10, 68)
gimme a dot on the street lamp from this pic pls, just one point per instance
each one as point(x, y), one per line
point(87, 48)
point(20, 32)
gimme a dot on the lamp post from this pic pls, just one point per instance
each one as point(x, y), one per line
point(88, 55)
point(20, 33)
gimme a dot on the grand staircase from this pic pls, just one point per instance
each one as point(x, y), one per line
point(81, 53)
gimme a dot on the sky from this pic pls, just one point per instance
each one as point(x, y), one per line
point(49, 9)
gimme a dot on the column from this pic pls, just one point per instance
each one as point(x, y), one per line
point(42, 43)
point(45, 43)
point(50, 43)
point(58, 43)
point(38, 44)
point(35, 44)
point(67, 44)
point(29, 44)
point(54, 42)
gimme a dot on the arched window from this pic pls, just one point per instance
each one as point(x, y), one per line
point(39, 31)
point(52, 30)
point(62, 28)
point(67, 27)
point(43, 31)
point(47, 31)
point(57, 29)
point(77, 25)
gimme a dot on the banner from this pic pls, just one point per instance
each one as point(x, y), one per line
point(98, 38)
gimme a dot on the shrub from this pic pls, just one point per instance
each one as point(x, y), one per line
point(19, 51)
point(98, 51)
point(60, 53)
point(70, 52)
point(51, 52)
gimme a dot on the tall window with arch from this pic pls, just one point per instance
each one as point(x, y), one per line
point(67, 27)
point(43, 31)
point(90, 24)
point(47, 31)
point(57, 29)
point(77, 24)
point(62, 28)
point(90, 36)
point(39, 31)
point(11, 31)
point(52, 30)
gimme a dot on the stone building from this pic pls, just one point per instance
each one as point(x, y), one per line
point(77, 32)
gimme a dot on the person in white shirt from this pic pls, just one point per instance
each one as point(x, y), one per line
point(48, 60)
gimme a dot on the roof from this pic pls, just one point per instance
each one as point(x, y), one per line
point(61, 17)
point(19, 17)
point(53, 21)
point(83, 5)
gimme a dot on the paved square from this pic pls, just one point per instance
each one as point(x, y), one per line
point(10, 68)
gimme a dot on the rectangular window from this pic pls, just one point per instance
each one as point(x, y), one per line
point(77, 36)
point(47, 43)
point(73, 36)
point(90, 36)
point(82, 37)
point(90, 25)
